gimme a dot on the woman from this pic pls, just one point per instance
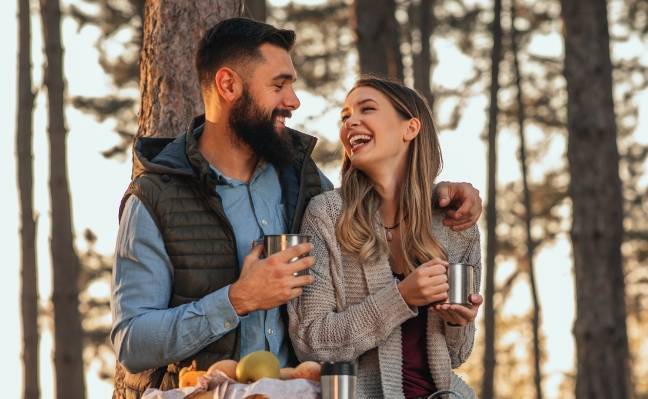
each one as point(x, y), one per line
point(382, 253)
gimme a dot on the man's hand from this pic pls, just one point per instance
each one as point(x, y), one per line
point(462, 203)
point(267, 283)
point(459, 314)
point(428, 283)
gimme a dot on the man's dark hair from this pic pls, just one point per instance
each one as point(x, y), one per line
point(236, 41)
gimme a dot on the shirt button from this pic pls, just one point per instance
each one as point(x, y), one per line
point(227, 324)
point(270, 331)
point(264, 222)
point(197, 345)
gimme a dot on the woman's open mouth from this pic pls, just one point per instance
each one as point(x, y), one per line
point(358, 141)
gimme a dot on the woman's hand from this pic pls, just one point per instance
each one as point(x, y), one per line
point(428, 283)
point(459, 314)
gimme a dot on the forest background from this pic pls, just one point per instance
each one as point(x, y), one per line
point(98, 40)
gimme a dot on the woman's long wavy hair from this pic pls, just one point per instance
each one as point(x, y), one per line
point(356, 229)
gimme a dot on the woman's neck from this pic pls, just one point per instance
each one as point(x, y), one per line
point(388, 185)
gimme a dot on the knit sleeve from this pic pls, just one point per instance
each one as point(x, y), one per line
point(460, 340)
point(322, 327)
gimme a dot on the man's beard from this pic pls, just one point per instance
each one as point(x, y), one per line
point(253, 128)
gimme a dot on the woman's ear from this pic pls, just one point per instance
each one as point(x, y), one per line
point(413, 129)
point(229, 84)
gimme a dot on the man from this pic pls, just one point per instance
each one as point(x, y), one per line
point(186, 285)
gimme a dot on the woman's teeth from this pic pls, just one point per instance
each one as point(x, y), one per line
point(359, 140)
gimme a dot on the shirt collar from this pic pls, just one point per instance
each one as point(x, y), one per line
point(223, 180)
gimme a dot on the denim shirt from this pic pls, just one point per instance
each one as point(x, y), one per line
point(146, 333)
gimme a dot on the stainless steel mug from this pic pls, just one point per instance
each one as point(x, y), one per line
point(439, 393)
point(273, 243)
point(460, 280)
point(339, 380)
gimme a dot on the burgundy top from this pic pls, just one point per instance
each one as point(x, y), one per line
point(417, 378)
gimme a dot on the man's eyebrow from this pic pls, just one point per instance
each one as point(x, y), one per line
point(285, 76)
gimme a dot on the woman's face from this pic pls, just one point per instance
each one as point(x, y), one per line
point(374, 135)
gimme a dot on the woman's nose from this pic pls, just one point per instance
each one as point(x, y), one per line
point(351, 122)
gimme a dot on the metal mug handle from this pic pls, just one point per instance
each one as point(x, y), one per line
point(439, 393)
point(256, 242)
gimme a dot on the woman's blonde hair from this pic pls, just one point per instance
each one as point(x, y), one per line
point(356, 229)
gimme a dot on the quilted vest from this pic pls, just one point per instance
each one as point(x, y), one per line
point(198, 237)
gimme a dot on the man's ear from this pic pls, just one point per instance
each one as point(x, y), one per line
point(413, 129)
point(229, 84)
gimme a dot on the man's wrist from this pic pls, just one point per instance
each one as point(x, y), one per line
point(239, 302)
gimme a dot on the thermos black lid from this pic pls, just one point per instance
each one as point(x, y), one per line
point(339, 368)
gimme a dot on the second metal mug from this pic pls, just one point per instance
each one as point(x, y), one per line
point(273, 243)
point(339, 380)
point(460, 280)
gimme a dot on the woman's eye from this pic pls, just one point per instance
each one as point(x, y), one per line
point(345, 117)
point(368, 109)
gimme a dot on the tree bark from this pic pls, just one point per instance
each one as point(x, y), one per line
point(378, 37)
point(25, 167)
point(255, 9)
point(422, 19)
point(597, 227)
point(531, 245)
point(169, 90)
point(68, 336)
point(491, 211)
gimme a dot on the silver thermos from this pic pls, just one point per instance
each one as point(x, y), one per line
point(339, 380)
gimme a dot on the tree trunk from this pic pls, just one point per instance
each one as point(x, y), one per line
point(169, 90)
point(25, 167)
point(531, 245)
point(597, 228)
point(378, 37)
point(422, 19)
point(68, 336)
point(491, 211)
point(255, 9)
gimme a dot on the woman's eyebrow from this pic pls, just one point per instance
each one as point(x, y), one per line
point(367, 100)
point(359, 103)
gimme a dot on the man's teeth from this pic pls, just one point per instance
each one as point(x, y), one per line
point(359, 139)
point(281, 119)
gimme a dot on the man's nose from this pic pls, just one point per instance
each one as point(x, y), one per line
point(291, 101)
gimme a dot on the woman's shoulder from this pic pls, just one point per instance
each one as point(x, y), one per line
point(455, 242)
point(325, 201)
point(326, 205)
point(470, 233)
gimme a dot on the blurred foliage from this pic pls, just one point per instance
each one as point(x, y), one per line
point(94, 306)
point(628, 23)
point(119, 45)
point(324, 43)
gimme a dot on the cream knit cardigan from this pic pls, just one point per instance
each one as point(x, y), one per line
point(354, 312)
